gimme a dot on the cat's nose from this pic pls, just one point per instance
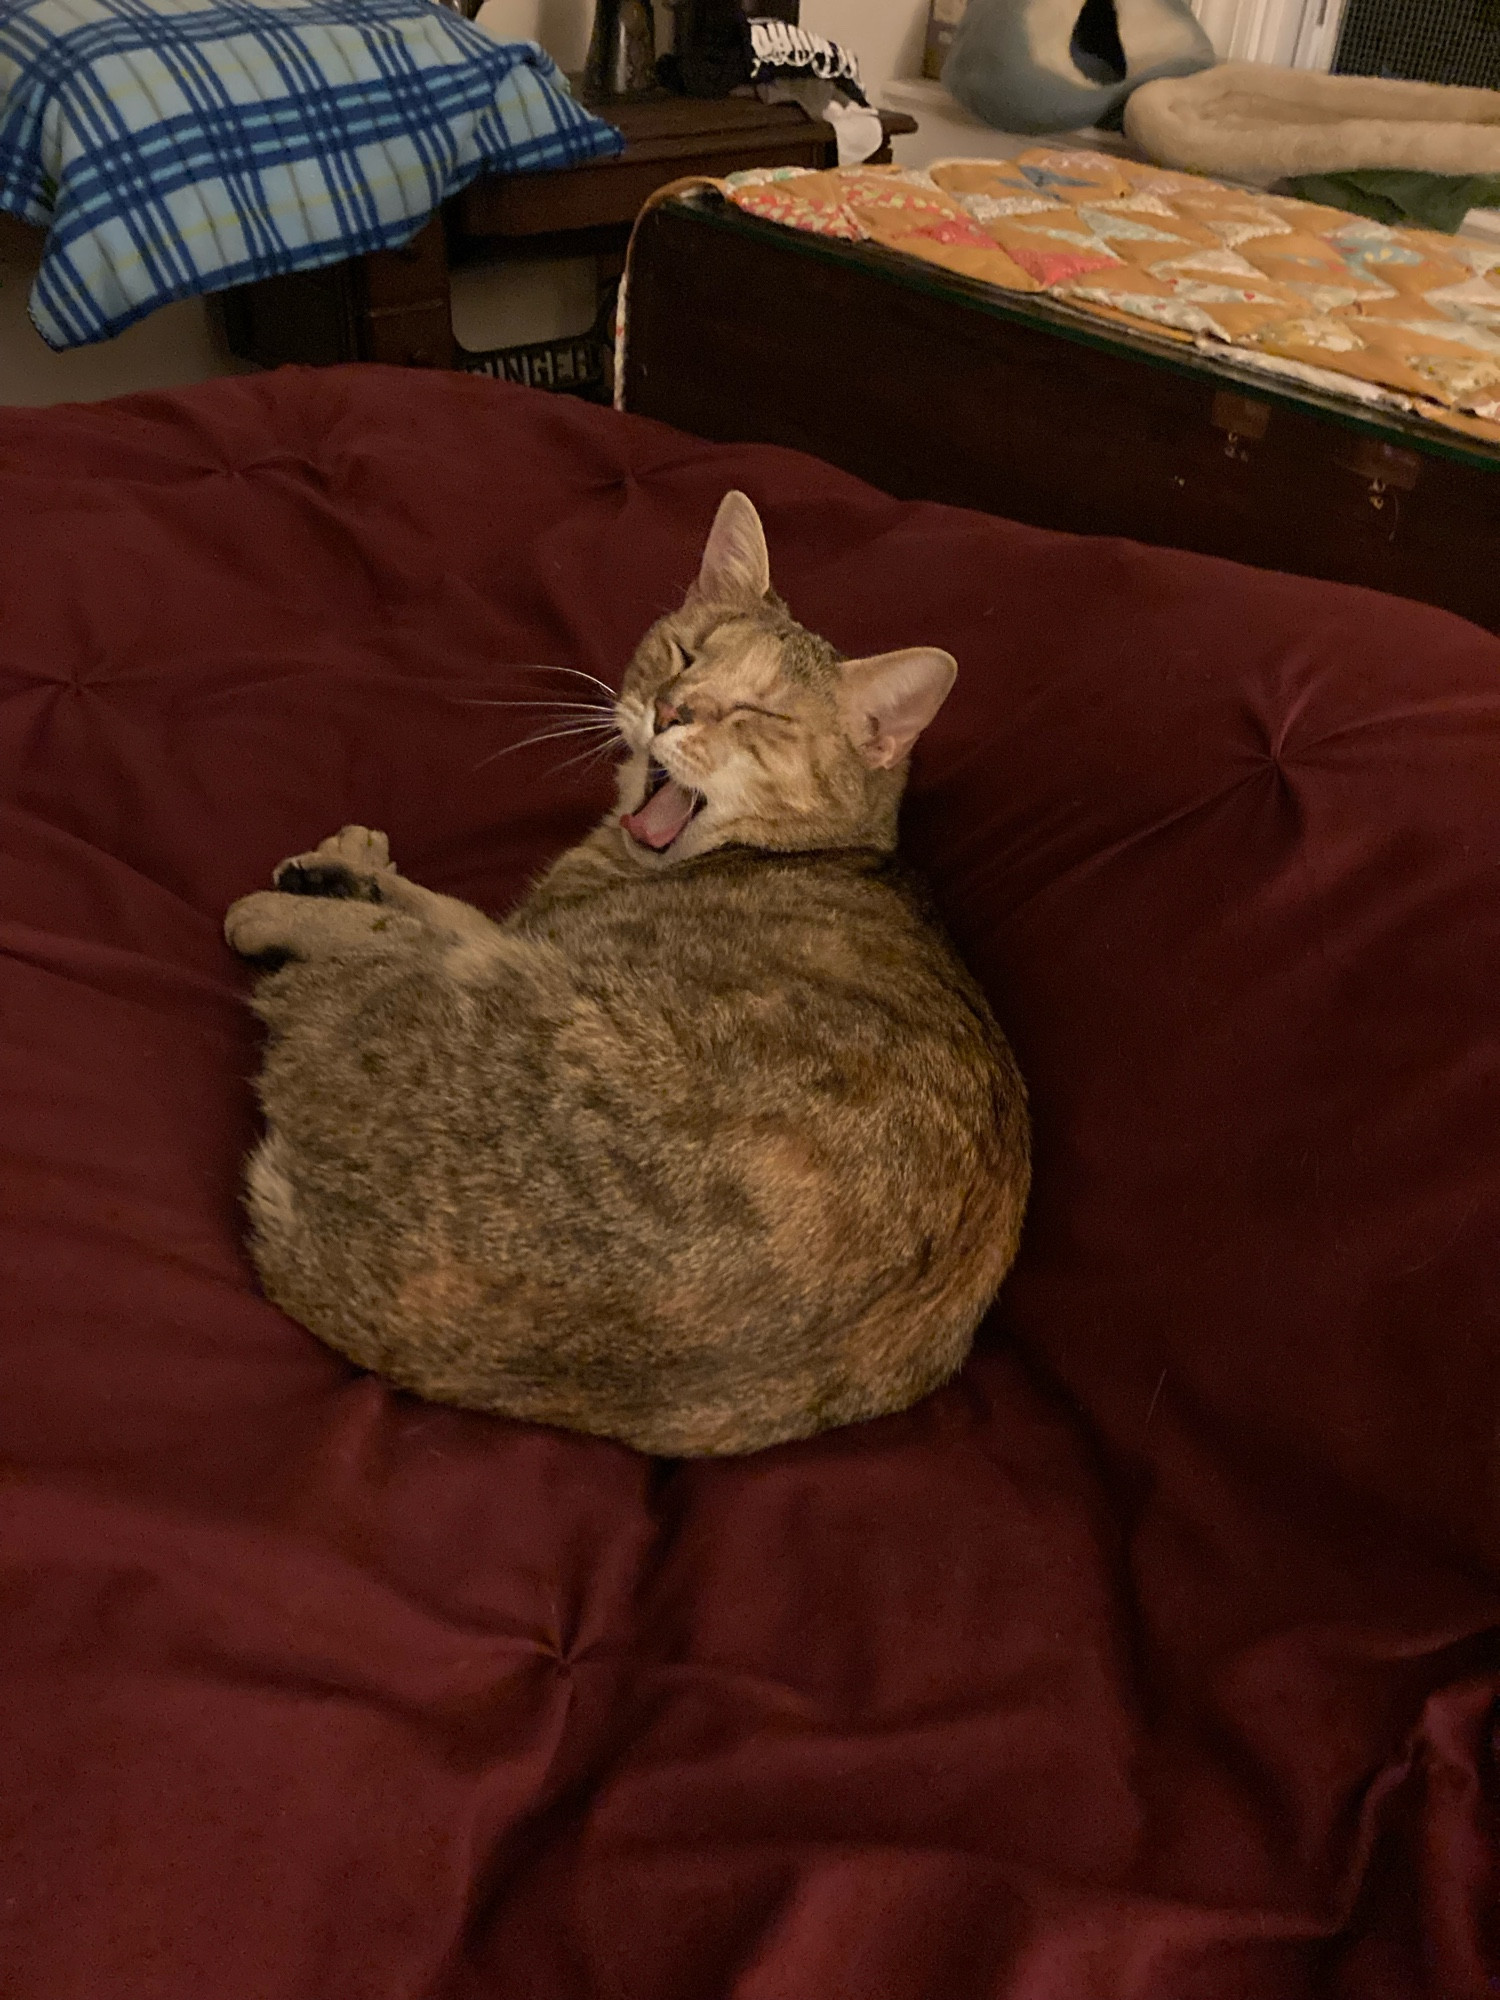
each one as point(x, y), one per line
point(667, 712)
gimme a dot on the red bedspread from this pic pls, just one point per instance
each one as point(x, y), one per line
point(1155, 1659)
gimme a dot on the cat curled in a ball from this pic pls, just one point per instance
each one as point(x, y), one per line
point(711, 1142)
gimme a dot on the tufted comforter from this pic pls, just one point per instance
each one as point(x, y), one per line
point(1154, 1659)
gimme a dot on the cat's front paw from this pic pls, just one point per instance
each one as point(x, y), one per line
point(358, 847)
point(349, 864)
point(256, 928)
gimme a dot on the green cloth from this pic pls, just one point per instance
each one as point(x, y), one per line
point(1392, 194)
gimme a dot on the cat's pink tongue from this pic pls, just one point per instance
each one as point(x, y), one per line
point(662, 817)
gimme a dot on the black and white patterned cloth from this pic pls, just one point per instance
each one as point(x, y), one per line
point(781, 52)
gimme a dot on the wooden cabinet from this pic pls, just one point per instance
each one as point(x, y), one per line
point(394, 305)
point(390, 306)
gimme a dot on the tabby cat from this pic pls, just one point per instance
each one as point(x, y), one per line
point(711, 1142)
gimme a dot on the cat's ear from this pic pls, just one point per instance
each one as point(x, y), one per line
point(886, 702)
point(735, 565)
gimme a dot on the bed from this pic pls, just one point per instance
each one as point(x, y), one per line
point(1155, 1656)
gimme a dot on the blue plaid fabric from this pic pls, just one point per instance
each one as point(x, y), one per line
point(171, 147)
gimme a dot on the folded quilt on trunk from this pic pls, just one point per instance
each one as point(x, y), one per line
point(181, 147)
point(1404, 318)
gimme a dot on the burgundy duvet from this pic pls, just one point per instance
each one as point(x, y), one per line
point(1154, 1659)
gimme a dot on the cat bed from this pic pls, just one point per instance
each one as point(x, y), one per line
point(1258, 123)
point(1056, 66)
point(1154, 1655)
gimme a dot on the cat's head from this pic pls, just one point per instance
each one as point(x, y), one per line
point(743, 729)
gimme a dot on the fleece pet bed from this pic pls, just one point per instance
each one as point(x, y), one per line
point(1058, 66)
point(1258, 123)
point(1156, 1656)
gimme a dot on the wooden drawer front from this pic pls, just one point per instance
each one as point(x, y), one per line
point(738, 333)
point(413, 275)
point(409, 336)
point(304, 316)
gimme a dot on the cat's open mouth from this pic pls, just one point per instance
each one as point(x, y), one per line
point(665, 810)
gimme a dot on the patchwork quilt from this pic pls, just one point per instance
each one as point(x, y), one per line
point(1403, 317)
point(173, 147)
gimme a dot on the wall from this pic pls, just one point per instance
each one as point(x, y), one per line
point(182, 342)
point(886, 35)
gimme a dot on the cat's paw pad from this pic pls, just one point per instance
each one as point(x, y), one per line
point(347, 864)
point(312, 877)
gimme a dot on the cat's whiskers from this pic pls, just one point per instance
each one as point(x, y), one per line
point(587, 707)
point(569, 714)
point(540, 667)
point(595, 750)
point(572, 718)
point(548, 736)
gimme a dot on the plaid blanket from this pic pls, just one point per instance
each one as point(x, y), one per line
point(172, 147)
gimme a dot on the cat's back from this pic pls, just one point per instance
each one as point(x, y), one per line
point(802, 1102)
point(748, 961)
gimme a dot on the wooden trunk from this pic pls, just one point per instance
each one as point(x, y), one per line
point(933, 387)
